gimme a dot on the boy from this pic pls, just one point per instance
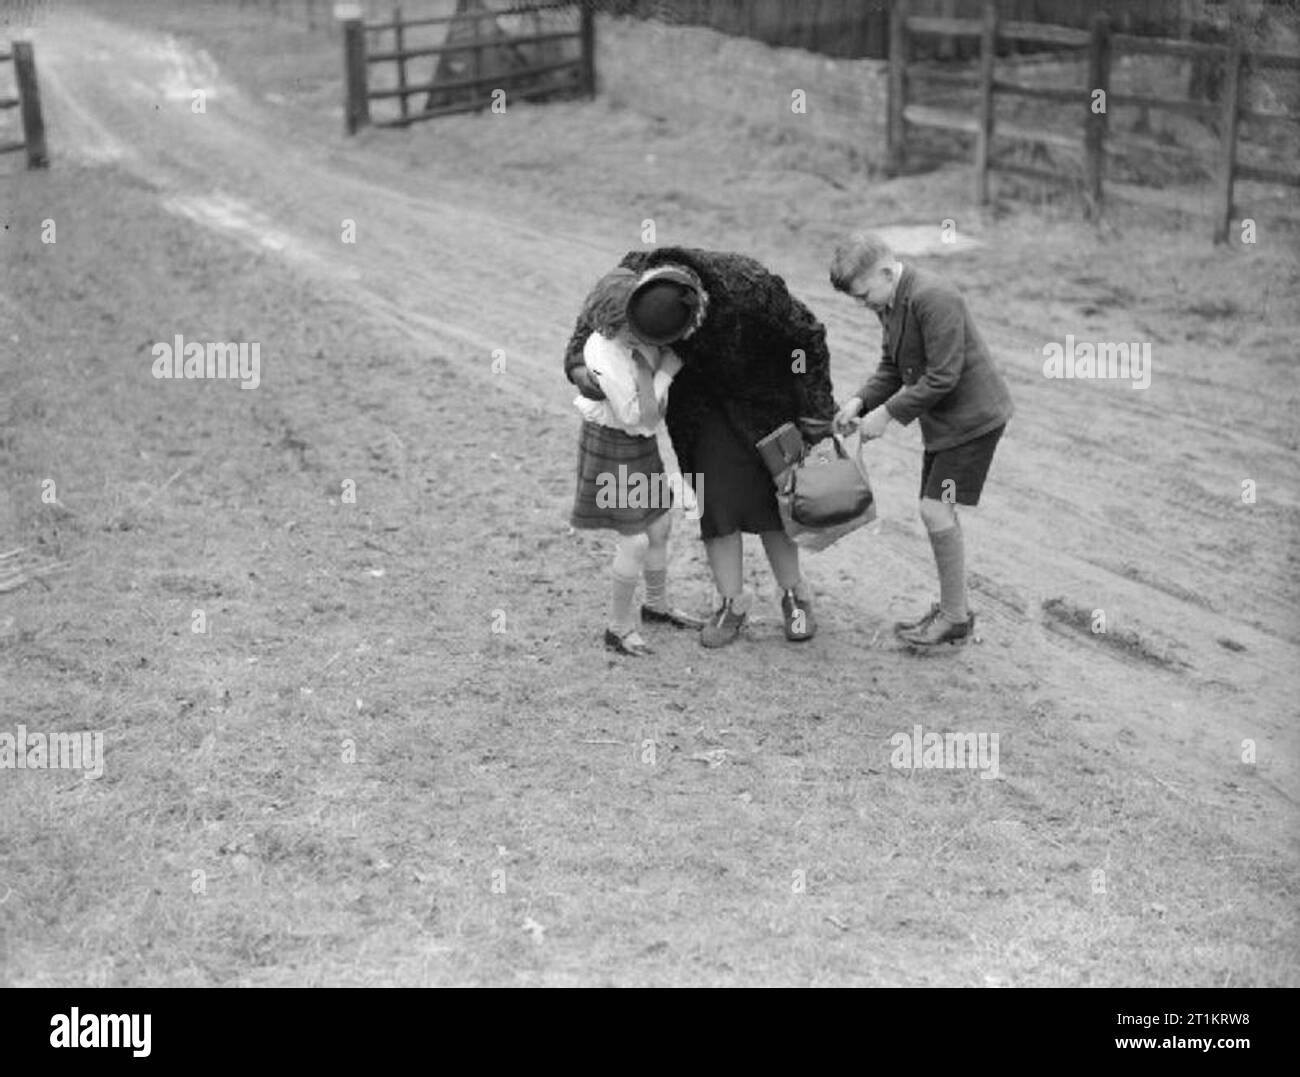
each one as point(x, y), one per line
point(934, 367)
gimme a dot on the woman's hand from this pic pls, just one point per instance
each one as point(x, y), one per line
point(585, 382)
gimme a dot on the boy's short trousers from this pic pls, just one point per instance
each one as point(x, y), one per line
point(957, 475)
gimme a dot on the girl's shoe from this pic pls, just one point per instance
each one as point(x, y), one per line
point(629, 643)
point(723, 627)
point(672, 616)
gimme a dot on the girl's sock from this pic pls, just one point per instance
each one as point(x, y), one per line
point(656, 588)
point(622, 618)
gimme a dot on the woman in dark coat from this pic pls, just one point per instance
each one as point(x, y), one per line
point(754, 357)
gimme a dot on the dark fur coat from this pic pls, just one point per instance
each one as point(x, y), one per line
point(742, 360)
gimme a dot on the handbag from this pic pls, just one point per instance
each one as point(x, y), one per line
point(835, 492)
point(821, 502)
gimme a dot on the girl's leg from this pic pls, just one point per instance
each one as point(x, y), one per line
point(656, 562)
point(657, 535)
point(629, 559)
point(657, 607)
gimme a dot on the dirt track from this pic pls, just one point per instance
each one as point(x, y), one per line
point(1102, 497)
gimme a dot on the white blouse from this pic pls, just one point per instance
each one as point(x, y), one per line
point(614, 369)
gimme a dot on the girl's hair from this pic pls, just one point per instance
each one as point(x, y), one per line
point(606, 307)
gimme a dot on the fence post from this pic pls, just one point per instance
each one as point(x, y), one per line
point(984, 134)
point(476, 91)
point(399, 44)
point(29, 96)
point(1228, 142)
point(1095, 132)
point(588, 28)
point(357, 112)
point(895, 149)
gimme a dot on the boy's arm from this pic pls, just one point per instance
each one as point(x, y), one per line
point(943, 332)
point(885, 382)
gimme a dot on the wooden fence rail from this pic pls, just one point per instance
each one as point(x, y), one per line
point(28, 103)
point(1100, 46)
point(530, 74)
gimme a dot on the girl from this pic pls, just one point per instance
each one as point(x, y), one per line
point(622, 483)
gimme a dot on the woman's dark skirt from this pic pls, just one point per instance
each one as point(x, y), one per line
point(739, 494)
point(608, 495)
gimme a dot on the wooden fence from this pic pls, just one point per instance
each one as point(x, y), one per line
point(530, 65)
point(1101, 46)
point(857, 29)
point(28, 103)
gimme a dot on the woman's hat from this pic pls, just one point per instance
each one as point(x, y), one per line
point(666, 305)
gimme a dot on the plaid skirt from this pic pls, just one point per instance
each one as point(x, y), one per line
point(608, 495)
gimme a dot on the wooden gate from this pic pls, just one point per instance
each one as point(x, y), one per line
point(529, 50)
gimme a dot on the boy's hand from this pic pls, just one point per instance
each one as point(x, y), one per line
point(874, 425)
point(846, 417)
point(585, 382)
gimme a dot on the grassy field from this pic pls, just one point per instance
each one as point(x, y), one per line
point(397, 753)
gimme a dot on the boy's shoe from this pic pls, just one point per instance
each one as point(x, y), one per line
point(723, 627)
point(938, 631)
point(799, 621)
point(629, 643)
point(671, 616)
point(920, 622)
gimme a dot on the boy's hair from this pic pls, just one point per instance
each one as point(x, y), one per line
point(858, 253)
point(606, 307)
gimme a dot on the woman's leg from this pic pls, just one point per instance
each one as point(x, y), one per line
point(796, 599)
point(783, 556)
point(725, 555)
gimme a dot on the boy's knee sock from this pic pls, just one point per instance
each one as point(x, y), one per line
point(622, 618)
point(950, 559)
point(656, 588)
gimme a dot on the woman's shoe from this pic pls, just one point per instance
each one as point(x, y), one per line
point(672, 616)
point(629, 643)
point(723, 627)
point(799, 621)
